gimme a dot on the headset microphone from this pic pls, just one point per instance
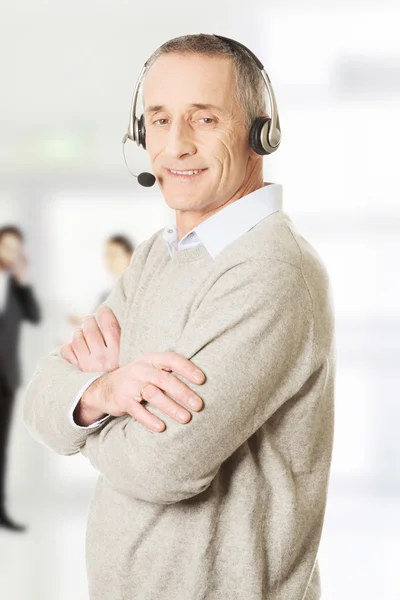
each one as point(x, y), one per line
point(145, 179)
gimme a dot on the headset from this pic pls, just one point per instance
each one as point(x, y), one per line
point(265, 132)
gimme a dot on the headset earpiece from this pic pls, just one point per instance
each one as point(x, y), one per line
point(141, 132)
point(265, 132)
point(259, 136)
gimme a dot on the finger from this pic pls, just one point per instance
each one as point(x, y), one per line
point(92, 334)
point(175, 362)
point(156, 397)
point(69, 355)
point(142, 415)
point(79, 344)
point(174, 387)
point(109, 326)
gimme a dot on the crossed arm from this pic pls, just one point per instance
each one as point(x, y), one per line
point(253, 340)
point(55, 384)
point(73, 372)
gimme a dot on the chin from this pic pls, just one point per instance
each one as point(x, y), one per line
point(185, 203)
point(181, 199)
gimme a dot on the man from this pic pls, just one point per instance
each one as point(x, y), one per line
point(17, 304)
point(117, 256)
point(216, 486)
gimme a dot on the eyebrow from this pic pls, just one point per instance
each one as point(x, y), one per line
point(158, 107)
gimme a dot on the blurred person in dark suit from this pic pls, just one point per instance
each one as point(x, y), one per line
point(17, 304)
point(117, 255)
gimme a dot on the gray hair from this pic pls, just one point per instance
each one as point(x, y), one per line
point(249, 84)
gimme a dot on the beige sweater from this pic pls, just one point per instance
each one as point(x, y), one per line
point(229, 506)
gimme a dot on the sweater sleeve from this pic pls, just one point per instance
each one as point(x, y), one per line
point(252, 336)
point(53, 388)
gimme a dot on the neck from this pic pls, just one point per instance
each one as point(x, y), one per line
point(188, 220)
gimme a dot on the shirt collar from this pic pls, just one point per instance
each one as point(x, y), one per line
point(229, 223)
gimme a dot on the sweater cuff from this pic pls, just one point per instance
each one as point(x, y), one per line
point(66, 391)
point(76, 402)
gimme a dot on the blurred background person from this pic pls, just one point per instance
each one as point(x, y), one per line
point(17, 303)
point(117, 255)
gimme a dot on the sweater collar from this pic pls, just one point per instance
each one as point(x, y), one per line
point(229, 223)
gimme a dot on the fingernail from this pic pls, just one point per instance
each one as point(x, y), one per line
point(182, 416)
point(198, 375)
point(195, 402)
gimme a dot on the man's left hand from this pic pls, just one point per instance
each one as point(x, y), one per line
point(95, 345)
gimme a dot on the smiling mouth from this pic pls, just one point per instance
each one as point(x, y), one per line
point(189, 173)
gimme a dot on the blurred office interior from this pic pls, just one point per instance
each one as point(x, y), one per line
point(68, 72)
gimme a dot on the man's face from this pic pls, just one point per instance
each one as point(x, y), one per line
point(10, 250)
point(193, 122)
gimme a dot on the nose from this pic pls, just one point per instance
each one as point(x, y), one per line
point(180, 142)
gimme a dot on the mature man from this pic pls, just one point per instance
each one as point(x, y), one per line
point(231, 308)
point(17, 304)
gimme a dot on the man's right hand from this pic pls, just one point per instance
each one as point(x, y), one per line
point(95, 347)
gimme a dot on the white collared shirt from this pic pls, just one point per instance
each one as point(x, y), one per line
point(229, 223)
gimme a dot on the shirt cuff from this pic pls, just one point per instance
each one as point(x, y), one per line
point(76, 401)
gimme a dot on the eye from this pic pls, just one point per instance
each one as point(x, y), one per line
point(207, 120)
point(161, 122)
